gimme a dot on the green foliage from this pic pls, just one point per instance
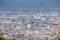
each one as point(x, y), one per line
point(58, 38)
point(2, 38)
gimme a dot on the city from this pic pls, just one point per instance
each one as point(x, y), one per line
point(42, 25)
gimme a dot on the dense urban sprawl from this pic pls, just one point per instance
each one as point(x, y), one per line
point(42, 25)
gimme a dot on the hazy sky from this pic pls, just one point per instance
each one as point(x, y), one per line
point(30, 3)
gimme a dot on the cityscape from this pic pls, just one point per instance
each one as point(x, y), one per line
point(30, 25)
